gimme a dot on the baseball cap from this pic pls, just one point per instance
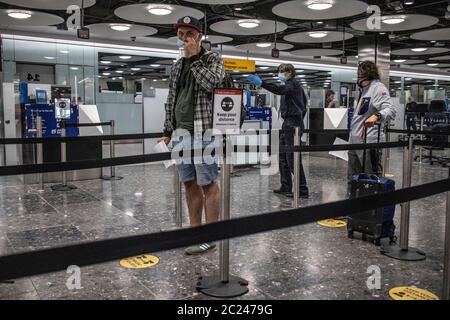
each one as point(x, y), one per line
point(190, 22)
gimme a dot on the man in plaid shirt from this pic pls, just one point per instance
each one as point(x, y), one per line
point(189, 116)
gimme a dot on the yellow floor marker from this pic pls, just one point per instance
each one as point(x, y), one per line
point(332, 223)
point(140, 262)
point(389, 175)
point(411, 293)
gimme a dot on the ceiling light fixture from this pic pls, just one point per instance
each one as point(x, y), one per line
point(119, 71)
point(64, 51)
point(135, 69)
point(419, 49)
point(263, 68)
point(106, 73)
point(105, 62)
point(19, 14)
point(400, 60)
point(160, 10)
point(249, 23)
point(125, 57)
point(317, 34)
point(50, 58)
point(120, 26)
point(393, 19)
point(155, 65)
point(320, 4)
point(263, 44)
point(432, 64)
point(74, 68)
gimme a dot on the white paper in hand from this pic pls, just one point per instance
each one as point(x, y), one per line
point(162, 147)
point(340, 154)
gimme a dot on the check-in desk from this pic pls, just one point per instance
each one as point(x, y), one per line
point(334, 120)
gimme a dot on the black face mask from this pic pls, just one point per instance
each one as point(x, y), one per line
point(362, 80)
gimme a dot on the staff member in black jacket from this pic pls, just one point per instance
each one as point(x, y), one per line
point(293, 110)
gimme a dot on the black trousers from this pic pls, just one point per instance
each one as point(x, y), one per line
point(286, 162)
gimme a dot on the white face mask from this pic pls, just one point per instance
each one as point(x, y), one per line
point(180, 44)
point(281, 76)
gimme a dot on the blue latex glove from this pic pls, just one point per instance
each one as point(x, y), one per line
point(253, 78)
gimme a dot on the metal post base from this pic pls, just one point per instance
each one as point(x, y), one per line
point(212, 286)
point(61, 187)
point(112, 178)
point(396, 252)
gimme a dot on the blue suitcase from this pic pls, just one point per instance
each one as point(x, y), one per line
point(375, 224)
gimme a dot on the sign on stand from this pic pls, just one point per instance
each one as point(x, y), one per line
point(227, 106)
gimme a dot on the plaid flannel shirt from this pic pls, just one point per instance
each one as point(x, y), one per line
point(208, 72)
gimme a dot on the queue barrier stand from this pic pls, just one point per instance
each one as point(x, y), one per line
point(224, 285)
point(403, 251)
point(63, 186)
point(112, 153)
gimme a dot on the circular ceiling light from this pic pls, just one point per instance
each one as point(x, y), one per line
point(143, 79)
point(263, 44)
point(249, 23)
point(263, 68)
point(50, 58)
point(320, 4)
point(74, 68)
point(400, 60)
point(317, 34)
point(432, 64)
point(393, 19)
point(19, 14)
point(419, 49)
point(155, 65)
point(159, 10)
point(125, 57)
point(106, 73)
point(64, 51)
point(120, 26)
point(135, 69)
point(105, 62)
point(119, 71)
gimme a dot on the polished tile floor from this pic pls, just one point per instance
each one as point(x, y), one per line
point(305, 262)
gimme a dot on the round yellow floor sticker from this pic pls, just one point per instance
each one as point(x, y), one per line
point(140, 262)
point(389, 175)
point(332, 223)
point(411, 293)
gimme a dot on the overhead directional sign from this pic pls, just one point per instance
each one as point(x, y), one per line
point(239, 65)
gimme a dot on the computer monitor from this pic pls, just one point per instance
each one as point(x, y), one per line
point(115, 86)
point(421, 108)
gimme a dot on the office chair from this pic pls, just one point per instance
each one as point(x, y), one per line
point(435, 117)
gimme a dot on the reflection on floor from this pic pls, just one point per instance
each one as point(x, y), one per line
point(306, 262)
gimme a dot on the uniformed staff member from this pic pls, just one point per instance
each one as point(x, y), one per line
point(293, 111)
point(374, 106)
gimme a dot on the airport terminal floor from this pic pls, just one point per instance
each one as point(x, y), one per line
point(306, 262)
point(97, 97)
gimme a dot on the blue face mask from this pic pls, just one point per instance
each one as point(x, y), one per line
point(281, 76)
point(180, 44)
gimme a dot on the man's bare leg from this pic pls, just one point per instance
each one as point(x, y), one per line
point(194, 199)
point(212, 196)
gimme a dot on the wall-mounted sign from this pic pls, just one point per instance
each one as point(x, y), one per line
point(227, 108)
point(239, 65)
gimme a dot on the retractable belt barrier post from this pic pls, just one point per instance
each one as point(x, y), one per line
point(297, 160)
point(63, 186)
point(39, 151)
point(403, 251)
point(446, 285)
point(112, 154)
point(224, 285)
point(178, 199)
